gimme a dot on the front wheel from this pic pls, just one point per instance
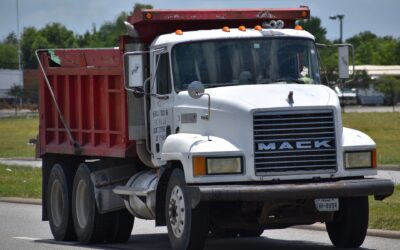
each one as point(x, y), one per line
point(349, 226)
point(187, 228)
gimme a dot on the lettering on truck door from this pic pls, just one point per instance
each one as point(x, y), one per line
point(160, 108)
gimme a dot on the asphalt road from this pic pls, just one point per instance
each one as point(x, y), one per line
point(21, 228)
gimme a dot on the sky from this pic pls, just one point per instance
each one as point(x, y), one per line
point(381, 17)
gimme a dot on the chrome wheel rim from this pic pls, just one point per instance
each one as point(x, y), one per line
point(177, 211)
point(56, 203)
point(82, 203)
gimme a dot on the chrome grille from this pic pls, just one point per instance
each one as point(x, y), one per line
point(301, 141)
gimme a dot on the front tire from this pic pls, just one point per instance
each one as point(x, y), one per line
point(349, 226)
point(59, 203)
point(187, 228)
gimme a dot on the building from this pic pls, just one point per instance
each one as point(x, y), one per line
point(8, 78)
point(376, 71)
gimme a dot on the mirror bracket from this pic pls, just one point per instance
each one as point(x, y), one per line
point(196, 90)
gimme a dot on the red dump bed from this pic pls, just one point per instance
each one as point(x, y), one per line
point(88, 86)
point(151, 23)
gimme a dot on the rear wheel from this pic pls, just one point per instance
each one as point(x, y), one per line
point(187, 228)
point(349, 226)
point(59, 203)
point(90, 225)
point(121, 226)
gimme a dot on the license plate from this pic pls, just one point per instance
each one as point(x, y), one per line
point(327, 205)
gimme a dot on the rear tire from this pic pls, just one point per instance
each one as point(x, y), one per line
point(349, 226)
point(187, 227)
point(59, 203)
point(121, 226)
point(90, 225)
point(251, 233)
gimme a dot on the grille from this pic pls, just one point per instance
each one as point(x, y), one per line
point(294, 142)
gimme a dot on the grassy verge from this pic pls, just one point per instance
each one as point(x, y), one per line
point(16, 181)
point(15, 134)
point(384, 128)
point(386, 214)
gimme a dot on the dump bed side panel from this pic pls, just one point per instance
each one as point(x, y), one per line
point(88, 86)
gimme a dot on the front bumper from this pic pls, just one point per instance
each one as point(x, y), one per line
point(380, 188)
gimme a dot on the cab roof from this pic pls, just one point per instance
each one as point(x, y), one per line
point(201, 35)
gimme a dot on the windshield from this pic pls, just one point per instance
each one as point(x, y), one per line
point(219, 63)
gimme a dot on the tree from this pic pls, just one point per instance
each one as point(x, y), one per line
point(8, 56)
point(53, 35)
point(142, 6)
point(371, 49)
point(11, 39)
point(58, 36)
point(313, 25)
point(31, 40)
point(390, 86)
point(109, 32)
point(17, 92)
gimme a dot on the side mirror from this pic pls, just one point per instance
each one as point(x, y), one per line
point(343, 62)
point(134, 69)
point(196, 90)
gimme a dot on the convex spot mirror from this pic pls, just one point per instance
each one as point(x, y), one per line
point(343, 62)
point(196, 89)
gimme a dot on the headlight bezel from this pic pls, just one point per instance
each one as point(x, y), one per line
point(202, 165)
point(370, 157)
point(221, 158)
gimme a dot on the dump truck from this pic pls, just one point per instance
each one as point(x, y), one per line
point(210, 122)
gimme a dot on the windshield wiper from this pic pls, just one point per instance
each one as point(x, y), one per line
point(288, 80)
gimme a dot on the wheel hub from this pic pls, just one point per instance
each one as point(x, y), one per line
point(176, 211)
point(82, 204)
point(57, 203)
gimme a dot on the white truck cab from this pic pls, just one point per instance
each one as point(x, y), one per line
point(240, 116)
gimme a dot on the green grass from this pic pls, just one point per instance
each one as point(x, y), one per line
point(383, 128)
point(385, 214)
point(15, 134)
point(16, 181)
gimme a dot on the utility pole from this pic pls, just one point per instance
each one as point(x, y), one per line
point(340, 17)
point(21, 74)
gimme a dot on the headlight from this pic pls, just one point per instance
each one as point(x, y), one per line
point(216, 165)
point(224, 165)
point(363, 159)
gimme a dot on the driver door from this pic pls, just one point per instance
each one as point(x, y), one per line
point(161, 105)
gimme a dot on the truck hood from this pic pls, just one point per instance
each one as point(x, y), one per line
point(251, 97)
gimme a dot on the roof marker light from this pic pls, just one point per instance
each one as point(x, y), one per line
point(304, 14)
point(242, 28)
point(148, 16)
point(179, 32)
point(298, 27)
point(226, 29)
point(258, 27)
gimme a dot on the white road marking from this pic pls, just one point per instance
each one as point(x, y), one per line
point(27, 238)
